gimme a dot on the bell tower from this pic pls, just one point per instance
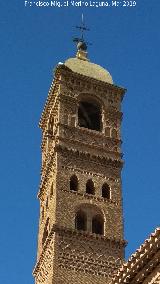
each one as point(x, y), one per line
point(80, 237)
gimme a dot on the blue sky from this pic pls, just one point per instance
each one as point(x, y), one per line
point(126, 41)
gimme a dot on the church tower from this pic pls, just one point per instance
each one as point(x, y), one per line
point(80, 237)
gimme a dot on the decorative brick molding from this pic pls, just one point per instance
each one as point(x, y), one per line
point(67, 255)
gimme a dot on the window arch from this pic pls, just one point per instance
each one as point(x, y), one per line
point(74, 183)
point(89, 218)
point(89, 115)
point(106, 191)
point(81, 221)
point(46, 231)
point(90, 187)
point(97, 225)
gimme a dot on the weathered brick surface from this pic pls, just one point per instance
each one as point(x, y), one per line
point(67, 255)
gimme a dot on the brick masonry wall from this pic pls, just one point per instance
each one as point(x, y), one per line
point(71, 257)
point(70, 201)
point(68, 256)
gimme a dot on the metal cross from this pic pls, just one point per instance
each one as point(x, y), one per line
point(82, 28)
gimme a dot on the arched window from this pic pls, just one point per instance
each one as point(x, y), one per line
point(81, 221)
point(97, 225)
point(90, 187)
point(89, 218)
point(46, 231)
point(106, 191)
point(89, 115)
point(74, 183)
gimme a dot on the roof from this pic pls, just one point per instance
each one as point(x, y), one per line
point(143, 259)
point(88, 69)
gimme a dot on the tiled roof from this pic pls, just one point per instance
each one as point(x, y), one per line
point(144, 255)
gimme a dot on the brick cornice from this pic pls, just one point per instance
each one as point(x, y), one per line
point(115, 163)
point(64, 70)
point(91, 197)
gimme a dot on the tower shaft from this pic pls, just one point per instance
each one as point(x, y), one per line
point(80, 237)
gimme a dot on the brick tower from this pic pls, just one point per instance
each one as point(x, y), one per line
point(80, 237)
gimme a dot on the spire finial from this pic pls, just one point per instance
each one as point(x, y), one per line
point(81, 43)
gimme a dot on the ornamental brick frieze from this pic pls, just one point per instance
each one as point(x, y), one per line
point(88, 254)
point(50, 169)
point(77, 240)
point(45, 261)
point(108, 98)
point(47, 161)
point(100, 242)
point(53, 112)
point(87, 243)
point(76, 80)
point(50, 103)
point(74, 88)
point(93, 150)
point(67, 159)
point(91, 197)
point(86, 136)
point(117, 164)
point(49, 135)
point(93, 173)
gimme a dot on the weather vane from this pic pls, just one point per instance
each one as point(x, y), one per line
point(82, 29)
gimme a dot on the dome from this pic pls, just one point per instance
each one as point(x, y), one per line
point(88, 69)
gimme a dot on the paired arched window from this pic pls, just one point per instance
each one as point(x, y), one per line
point(74, 183)
point(81, 221)
point(90, 187)
point(89, 115)
point(46, 231)
point(106, 191)
point(89, 218)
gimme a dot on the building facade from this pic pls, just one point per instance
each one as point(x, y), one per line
point(81, 221)
point(80, 238)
